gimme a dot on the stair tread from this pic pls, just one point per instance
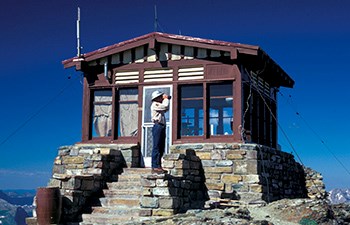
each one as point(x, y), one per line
point(131, 197)
point(137, 170)
point(100, 209)
point(106, 219)
point(122, 184)
point(121, 191)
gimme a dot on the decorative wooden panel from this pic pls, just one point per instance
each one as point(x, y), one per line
point(127, 77)
point(192, 73)
point(158, 75)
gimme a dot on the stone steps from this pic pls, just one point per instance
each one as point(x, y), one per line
point(124, 185)
point(112, 193)
point(105, 219)
point(121, 201)
point(129, 177)
point(125, 201)
point(137, 171)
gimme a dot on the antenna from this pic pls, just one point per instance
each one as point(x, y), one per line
point(78, 34)
point(155, 19)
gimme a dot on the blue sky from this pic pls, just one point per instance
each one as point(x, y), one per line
point(309, 39)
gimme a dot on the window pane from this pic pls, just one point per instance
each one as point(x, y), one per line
point(192, 91)
point(220, 90)
point(128, 119)
point(221, 109)
point(102, 113)
point(147, 118)
point(128, 114)
point(191, 110)
point(130, 94)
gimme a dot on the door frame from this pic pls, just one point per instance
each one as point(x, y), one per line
point(146, 161)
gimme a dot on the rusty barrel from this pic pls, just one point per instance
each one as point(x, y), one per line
point(48, 205)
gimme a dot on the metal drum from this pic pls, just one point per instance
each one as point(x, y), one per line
point(48, 205)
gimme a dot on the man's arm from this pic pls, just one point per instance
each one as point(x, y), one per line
point(164, 106)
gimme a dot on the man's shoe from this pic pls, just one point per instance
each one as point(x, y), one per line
point(159, 170)
point(164, 171)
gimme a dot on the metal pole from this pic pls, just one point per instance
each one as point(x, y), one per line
point(78, 34)
point(155, 19)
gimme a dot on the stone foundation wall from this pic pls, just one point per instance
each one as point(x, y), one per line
point(181, 189)
point(81, 172)
point(199, 174)
point(314, 184)
point(250, 173)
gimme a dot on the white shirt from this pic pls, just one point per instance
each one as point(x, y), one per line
point(158, 110)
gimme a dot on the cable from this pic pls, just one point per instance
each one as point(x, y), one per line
point(68, 84)
point(282, 130)
point(242, 130)
point(318, 136)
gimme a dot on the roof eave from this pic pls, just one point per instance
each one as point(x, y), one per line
point(151, 38)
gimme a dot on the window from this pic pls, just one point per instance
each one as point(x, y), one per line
point(260, 114)
point(221, 109)
point(102, 113)
point(191, 110)
point(128, 113)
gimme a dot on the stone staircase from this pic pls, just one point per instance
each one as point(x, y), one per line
point(121, 202)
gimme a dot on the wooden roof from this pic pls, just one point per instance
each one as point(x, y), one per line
point(252, 53)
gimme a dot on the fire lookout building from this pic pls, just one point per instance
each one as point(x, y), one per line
point(221, 91)
point(221, 129)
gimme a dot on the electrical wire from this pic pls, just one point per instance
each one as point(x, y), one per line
point(24, 123)
point(242, 131)
point(317, 135)
point(281, 129)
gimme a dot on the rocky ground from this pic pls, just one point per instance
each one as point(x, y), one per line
point(282, 212)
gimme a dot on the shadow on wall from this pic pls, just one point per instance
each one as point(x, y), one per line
point(181, 189)
point(194, 190)
point(280, 175)
point(91, 169)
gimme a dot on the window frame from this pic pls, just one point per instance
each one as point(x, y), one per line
point(206, 106)
point(220, 97)
point(117, 111)
point(180, 109)
point(114, 138)
point(91, 110)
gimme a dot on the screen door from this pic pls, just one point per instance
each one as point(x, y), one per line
point(147, 124)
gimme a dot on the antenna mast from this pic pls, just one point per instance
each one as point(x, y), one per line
point(78, 34)
point(155, 19)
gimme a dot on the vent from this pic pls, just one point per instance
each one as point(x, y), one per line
point(193, 73)
point(158, 75)
point(262, 85)
point(127, 77)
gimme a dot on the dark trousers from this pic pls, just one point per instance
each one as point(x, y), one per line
point(158, 133)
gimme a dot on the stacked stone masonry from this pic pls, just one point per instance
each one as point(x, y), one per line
point(82, 171)
point(181, 189)
point(237, 173)
point(199, 175)
point(314, 184)
point(249, 173)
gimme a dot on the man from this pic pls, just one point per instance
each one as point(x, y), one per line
point(160, 104)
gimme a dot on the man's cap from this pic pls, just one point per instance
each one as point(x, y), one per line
point(156, 94)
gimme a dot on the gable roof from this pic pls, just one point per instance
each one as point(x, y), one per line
point(234, 49)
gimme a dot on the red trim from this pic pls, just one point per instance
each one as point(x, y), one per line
point(86, 123)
